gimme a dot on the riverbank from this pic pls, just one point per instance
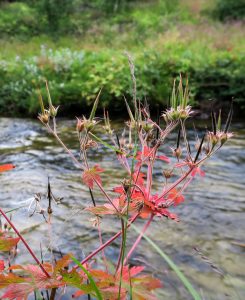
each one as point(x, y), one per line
point(75, 77)
point(164, 38)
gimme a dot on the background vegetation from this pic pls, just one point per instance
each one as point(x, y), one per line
point(78, 46)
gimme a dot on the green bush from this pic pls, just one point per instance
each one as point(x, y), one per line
point(76, 76)
point(230, 10)
point(18, 19)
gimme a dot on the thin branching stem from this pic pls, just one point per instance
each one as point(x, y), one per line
point(138, 239)
point(24, 242)
point(91, 255)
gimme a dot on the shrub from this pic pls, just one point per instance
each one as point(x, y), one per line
point(19, 19)
point(230, 10)
point(76, 76)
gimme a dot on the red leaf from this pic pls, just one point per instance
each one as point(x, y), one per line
point(91, 175)
point(62, 263)
point(108, 284)
point(101, 210)
point(18, 291)
point(149, 153)
point(175, 196)
point(196, 171)
point(7, 243)
point(10, 278)
point(6, 167)
point(119, 190)
point(108, 209)
point(1, 265)
point(139, 178)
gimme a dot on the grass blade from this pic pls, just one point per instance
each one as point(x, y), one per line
point(93, 111)
point(219, 121)
point(228, 122)
point(213, 116)
point(96, 290)
point(172, 265)
point(129, 111)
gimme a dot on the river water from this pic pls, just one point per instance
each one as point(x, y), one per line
point(212, 217)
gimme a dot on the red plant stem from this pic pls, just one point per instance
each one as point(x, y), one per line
point(24, 242)
point(80, 165)
point(106, 243)
point(139, 238)
point(149, 178)
point(106, 195)
point(64, 146)
point(175, 183)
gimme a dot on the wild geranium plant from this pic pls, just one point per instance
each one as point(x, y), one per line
point(134, 197)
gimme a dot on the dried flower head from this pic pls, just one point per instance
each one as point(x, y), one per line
point(44, 116)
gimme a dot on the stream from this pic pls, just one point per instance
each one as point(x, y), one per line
point(211, 218)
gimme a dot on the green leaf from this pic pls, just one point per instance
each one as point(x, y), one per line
point(74, 279)
point(7, 243)
point(92, 282)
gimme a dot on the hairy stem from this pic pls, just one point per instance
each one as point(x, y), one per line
point(138, 239)
point(177, 182)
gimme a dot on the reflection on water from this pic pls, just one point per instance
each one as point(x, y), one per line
point(212, 217)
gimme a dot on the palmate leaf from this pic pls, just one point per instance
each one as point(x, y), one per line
point(175, 197)
point(8, 279)
point(19, 291)
point(139, 286)
point(143, 286)
point(2, 265)
point(107, 209)
point(7, 242)
point(19, 287)
point(93, 284)
point(101, 210)
point(75, 279)
point(62, 263)
point(91, 175)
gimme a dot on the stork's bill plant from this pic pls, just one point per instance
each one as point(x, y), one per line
point(135, 197)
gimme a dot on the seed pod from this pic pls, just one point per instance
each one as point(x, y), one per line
point(177, 152)
point(44, 117)
point(167, 174)
point(53, 111)
point(130, 146)
point(147, 126)
point(223, 138)
point(126, 184)
point(49, 210)
point(80, 125)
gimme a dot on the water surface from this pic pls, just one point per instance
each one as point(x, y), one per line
point(212, 217)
